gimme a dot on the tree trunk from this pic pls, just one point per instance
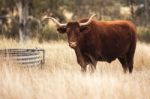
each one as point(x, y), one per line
point(146, 11)
point(22, 7)
point(132, 9)
point(26, 14)
point(19, 7)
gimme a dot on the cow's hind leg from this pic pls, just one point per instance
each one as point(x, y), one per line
point(130, 55)
point(123, 62)
point(130, 59)
point(130, 66)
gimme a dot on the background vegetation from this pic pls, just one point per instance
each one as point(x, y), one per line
point(27, 15)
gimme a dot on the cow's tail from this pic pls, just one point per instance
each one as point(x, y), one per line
point(132, 48)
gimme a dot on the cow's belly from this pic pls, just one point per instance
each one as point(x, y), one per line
point(111, 53)
point(106, 58)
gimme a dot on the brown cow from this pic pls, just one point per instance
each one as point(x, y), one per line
point(101, 41)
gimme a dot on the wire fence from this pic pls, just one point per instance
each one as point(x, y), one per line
point(24, 57)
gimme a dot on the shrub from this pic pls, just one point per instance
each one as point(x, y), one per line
point(50, 33)
point(144, 34)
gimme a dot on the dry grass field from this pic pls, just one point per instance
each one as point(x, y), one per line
point(61, 78)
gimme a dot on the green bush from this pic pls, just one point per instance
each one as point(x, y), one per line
point(144, 34)
point(50, 33)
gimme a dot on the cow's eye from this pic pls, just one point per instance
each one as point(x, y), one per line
point(68, 29)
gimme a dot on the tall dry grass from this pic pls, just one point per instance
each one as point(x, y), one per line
point(61, 78)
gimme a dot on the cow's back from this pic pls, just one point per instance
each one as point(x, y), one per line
point(111, 39)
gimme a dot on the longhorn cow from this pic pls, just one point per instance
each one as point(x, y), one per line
point(95, 41)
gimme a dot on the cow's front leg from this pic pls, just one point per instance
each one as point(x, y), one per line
point(93, 63)
point(80, 60)
point(93, 66)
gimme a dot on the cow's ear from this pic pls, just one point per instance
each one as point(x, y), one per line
point(61, 29)
point(84, 29)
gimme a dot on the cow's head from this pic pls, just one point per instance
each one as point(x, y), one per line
point(73, 30)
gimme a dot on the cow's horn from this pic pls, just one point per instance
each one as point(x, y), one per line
point(55, 21)
point(88, 22)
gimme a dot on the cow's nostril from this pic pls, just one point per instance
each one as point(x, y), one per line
point(72, 44)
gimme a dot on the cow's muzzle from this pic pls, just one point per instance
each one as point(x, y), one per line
point(73, 44)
